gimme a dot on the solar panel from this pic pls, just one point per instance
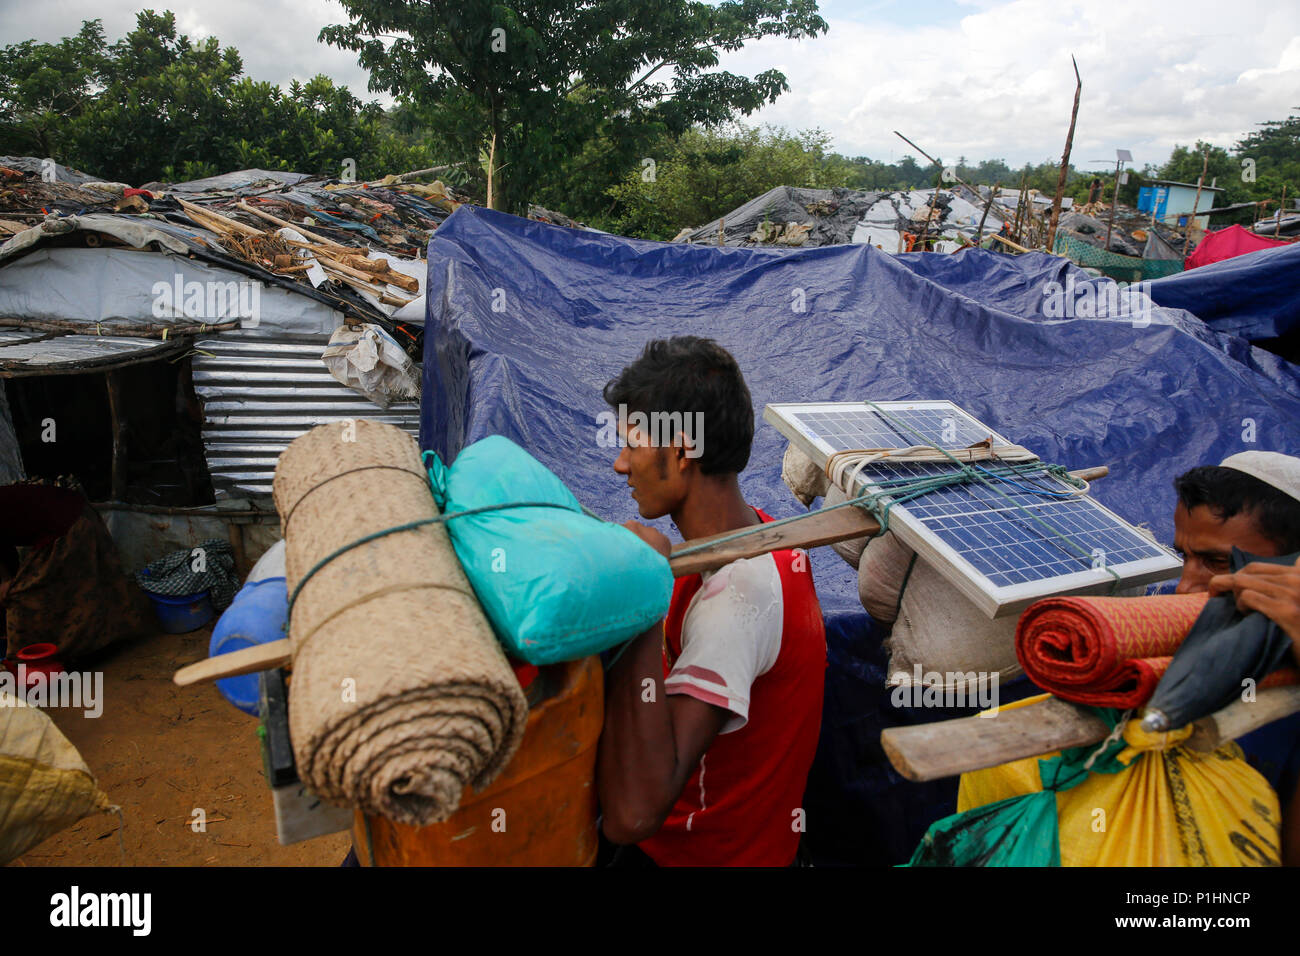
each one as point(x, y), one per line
point(1004, 543)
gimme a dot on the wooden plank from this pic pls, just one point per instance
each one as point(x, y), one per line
point(1241, 717)
point(951, 747)
point(250, 660)
point(809, 531)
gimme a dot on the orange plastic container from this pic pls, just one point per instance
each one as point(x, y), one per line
point(541, 811)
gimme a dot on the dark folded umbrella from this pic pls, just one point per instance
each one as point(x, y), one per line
point(1224, 648)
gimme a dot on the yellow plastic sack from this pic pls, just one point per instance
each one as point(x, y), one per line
point(1173, 806)
point(44, 784)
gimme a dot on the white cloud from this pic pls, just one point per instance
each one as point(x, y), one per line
point(998, 81)
point(993, 81)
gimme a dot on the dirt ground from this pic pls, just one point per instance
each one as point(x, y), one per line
point(160, 751)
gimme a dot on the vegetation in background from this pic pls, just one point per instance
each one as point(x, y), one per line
point(539, 81)
point(158, 105)
point(612, 113)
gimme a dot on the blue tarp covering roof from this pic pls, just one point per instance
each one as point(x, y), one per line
point(527, 321)
point(1255, 296)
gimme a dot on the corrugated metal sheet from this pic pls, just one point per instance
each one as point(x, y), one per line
point(259, 395)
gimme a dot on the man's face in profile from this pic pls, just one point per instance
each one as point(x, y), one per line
point(656, 485)
point(1206, 542)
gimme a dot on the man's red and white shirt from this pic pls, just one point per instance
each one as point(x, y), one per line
point(748, 638)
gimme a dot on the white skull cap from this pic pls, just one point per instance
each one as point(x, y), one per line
point(1271, 467)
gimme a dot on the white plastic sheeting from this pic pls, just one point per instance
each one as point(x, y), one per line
point(125, 285)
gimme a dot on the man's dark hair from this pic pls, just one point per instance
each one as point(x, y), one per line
point(688, 374)
point(1227, 492)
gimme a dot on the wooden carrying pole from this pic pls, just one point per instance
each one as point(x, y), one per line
point(812, 530)
point(951, 747)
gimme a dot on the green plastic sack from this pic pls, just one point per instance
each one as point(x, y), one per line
point(556, 584)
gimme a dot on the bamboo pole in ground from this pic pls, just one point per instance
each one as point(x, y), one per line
point(987, 206)
point(1065, 159)
point(1020, 203)
point(1114, 201)
point(1191, 219)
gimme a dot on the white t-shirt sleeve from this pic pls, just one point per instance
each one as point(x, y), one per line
point(731, 635)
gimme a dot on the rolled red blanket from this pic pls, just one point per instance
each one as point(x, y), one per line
point(1110, 652)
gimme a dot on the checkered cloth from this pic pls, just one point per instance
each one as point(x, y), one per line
point(174, 574)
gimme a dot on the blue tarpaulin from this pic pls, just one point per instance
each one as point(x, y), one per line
point(527, 321)
point(1255, 296)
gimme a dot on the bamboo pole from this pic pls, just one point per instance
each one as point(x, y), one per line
point(211, 218)
point(1065, 160)
point(987, 206)
point(285, 224)
point(1191, 220)
point(1020, 203)
point(1114, 201)
point(1014, 245)
point(148, 331)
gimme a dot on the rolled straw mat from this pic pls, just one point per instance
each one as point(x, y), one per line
point(1109, 652)
point(400, 695)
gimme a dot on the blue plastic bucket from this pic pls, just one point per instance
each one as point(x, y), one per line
point(256, 616)
point(182, 613)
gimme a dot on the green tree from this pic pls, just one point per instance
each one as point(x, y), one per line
point(543, 80)
point(156, 105)
point(709, 172)
point(46, 86)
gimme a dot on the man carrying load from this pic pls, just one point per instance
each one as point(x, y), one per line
point(712, 716)
point(1251, 501)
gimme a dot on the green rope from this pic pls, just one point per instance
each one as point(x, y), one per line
point(412, 525)
point(896, 491)
point(1057, 470)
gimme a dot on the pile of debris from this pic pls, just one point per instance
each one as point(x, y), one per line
point(268, 301)
point(898, 221)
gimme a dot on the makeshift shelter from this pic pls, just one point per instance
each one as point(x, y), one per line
point(794, 216)
point(1227, 243)
point(174, 335)
point(973, 328)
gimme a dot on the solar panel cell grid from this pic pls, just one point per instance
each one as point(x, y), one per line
point(989, 526)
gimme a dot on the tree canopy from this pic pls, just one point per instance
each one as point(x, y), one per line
point(537, 82)
point(157, 105)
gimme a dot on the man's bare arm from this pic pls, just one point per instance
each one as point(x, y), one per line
point(650, 744)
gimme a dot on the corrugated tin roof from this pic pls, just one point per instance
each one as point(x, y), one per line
point(25, 352)
point(259, 395)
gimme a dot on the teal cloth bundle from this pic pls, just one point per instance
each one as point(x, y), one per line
point(556, 583)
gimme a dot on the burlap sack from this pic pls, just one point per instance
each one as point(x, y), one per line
point(45, 786)
point(400, 695)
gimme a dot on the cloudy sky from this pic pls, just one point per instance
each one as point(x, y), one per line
point(973, 78)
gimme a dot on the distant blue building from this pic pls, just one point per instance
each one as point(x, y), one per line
point(1172, 202)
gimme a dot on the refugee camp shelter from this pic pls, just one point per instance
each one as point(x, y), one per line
point(1171, 201)
point(791, 216)
point(154, 346)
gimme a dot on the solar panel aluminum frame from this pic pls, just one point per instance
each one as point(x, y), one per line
point(992, 599)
